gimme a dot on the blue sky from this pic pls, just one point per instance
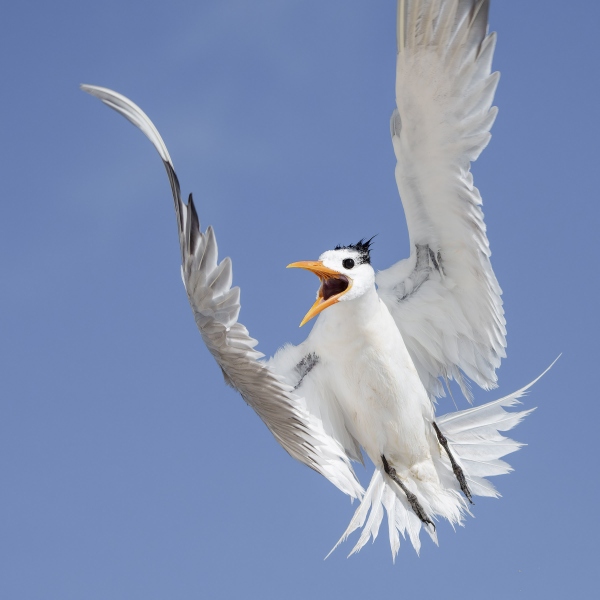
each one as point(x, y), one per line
point(127, 468)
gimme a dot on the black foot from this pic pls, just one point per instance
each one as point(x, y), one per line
point(414, 501)
point(458, 472)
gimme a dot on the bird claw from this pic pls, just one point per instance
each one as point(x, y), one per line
point(412, 499)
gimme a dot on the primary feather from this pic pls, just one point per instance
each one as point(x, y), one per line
point(216, 306)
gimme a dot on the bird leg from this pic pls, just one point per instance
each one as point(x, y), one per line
point(414, 501)
point(458, 472)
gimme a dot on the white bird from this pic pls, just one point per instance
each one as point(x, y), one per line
point(368, 373)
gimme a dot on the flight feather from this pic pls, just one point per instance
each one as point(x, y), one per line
point(216, 306)
point(445, 297)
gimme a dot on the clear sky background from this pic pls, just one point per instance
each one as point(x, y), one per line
point(127, 468)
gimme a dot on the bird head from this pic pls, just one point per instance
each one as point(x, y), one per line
point(345, 273)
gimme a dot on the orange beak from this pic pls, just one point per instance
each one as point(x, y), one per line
point(333, 286)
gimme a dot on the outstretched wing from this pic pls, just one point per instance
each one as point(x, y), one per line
point(445, 298)
point(216, 306)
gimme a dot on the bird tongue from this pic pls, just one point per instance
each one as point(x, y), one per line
point(333, 286)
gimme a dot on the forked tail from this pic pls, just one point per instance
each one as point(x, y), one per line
point(477, 445)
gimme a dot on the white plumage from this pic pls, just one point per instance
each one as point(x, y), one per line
point(366, 377)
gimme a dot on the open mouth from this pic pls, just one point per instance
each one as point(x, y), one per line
point(333, 286)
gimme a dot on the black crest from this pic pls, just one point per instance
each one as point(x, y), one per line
point(363, 247)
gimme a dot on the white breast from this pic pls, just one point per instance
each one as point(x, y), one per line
point(385, 405)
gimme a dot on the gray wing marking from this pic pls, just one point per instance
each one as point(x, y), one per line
point(426, 261)
point(305, 366)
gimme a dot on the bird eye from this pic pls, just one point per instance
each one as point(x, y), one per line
point(348, 263)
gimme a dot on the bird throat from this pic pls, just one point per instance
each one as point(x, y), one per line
point(333, 286)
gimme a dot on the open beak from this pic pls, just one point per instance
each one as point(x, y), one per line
point(333, 286)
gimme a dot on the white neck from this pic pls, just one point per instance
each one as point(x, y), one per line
point(347, 319)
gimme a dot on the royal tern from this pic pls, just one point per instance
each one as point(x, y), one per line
point(366, 377)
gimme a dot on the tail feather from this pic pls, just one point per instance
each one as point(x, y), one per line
point(389, 503)
point(371, 527)
point(359, 517)
point(477, 445)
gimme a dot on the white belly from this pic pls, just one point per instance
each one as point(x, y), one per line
point(384, 403)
